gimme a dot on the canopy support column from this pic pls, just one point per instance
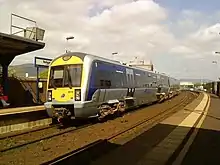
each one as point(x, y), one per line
point(5, 78)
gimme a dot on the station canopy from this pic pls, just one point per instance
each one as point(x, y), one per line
point(13, 45)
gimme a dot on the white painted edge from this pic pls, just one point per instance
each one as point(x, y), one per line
point(185, 149)
point(164, 150)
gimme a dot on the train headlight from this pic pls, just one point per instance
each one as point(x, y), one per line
point(49, 95)
point(77, 94)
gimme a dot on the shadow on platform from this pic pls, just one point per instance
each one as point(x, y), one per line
point(204, 150)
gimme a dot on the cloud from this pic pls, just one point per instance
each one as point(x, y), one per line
point(182, 50)
point(122, 26)
point(132, 28)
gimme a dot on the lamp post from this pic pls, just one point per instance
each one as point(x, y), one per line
point(215, 61)
point(113, 54)
point(67, 39)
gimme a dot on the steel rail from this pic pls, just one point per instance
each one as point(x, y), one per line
point(63, 158)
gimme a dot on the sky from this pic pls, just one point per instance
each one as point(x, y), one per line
point(178, 36)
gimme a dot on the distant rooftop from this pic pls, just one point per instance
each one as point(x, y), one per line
point(142, 64)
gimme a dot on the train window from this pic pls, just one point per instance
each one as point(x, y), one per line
point(101, 83)
point(58, 74)
point(107, 83)
point(56, 77)
point(146, 85)
point(74, 74)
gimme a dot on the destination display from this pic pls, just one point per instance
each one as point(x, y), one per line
point(42, 62)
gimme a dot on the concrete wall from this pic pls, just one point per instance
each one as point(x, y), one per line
point(22, 91)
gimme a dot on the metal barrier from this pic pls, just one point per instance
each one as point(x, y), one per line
point(33, 33)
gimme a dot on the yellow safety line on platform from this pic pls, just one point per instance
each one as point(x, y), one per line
point(190, 120)
point(165, 149)
point(183, 152)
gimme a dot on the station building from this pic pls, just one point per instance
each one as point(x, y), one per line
point(21, 40)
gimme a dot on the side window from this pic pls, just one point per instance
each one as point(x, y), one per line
point(107, 83)
point(102, 83)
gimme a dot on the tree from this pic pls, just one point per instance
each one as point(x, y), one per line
point(11, 72)
point(43, 74)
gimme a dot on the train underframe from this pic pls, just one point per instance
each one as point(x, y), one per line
point(113, 107)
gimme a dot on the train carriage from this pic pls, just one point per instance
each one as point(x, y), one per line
point(82, 86)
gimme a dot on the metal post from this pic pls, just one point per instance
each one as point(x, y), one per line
point(11, 25)
point(113, 55)
point(5, 79)
point(37, 89)
point(67, 39)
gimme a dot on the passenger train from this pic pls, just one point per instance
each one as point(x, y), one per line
point(81, 85)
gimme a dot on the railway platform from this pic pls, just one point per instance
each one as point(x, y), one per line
point(17, 110)
point(20, 118)
point(21, 40)
point(190, 136)
point(205, 147)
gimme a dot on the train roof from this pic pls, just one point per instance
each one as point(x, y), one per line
point(94, 57)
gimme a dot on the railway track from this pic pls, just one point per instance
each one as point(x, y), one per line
point(98, 147)
point(39, 135)
point(25, 132)
point(28, 142)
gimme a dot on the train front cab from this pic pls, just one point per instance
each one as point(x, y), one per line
point(64, 86)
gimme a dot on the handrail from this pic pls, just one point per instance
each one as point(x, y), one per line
point(27, 86)
point(23, 18)
point(23, 29)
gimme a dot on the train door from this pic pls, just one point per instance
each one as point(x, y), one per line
point(130, 82)
point(159, 84)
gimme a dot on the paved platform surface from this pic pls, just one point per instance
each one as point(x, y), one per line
point(205, 149)
point(157, 145)
point(9, 111)
point(15, 119)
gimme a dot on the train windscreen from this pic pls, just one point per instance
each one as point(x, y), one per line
point(65, 76)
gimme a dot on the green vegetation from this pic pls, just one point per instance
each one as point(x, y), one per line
point(43, 74)
point(11, 72)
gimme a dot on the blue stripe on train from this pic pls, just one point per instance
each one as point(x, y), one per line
point(101, 66)
point(91, 87)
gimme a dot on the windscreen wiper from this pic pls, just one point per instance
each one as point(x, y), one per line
point(52, 83)
point(69, 79)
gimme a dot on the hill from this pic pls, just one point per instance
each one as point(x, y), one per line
point(21, 70)
point(196, 80)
